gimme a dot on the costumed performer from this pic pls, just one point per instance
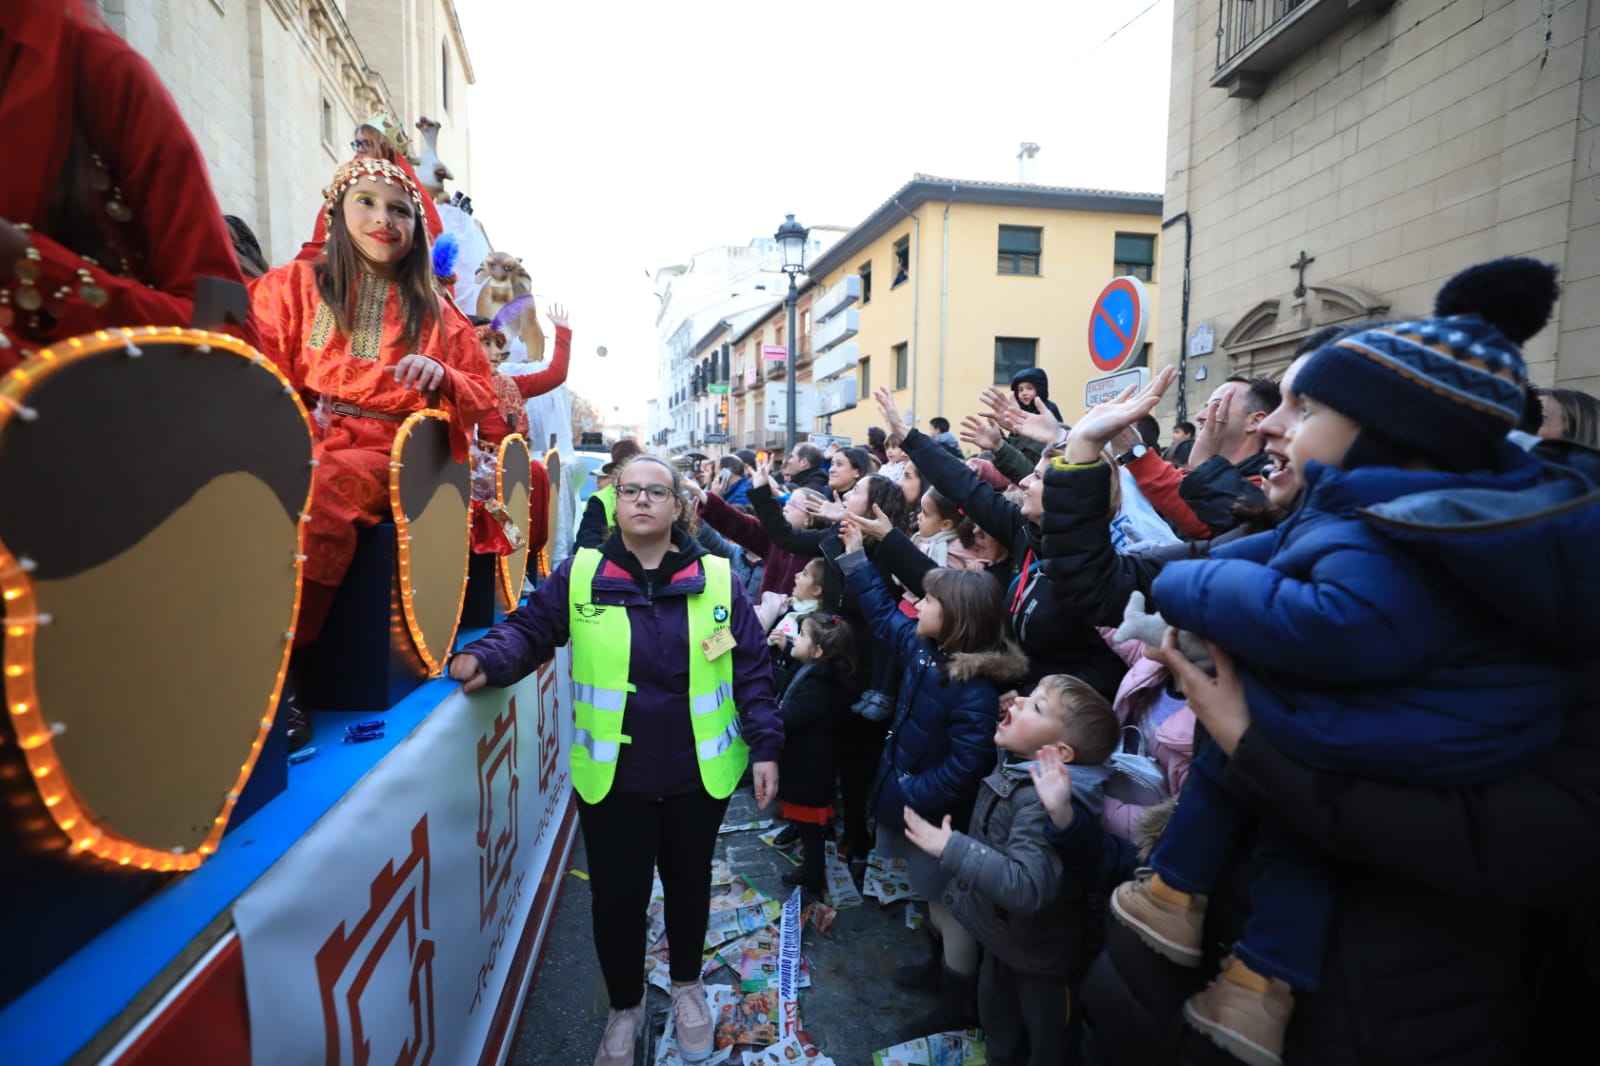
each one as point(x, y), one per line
point(106, 215)
point(363, 335)
point(372, 143)
point(672, 693)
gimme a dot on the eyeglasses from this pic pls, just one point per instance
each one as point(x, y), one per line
point(360, 146)
point(657, 493)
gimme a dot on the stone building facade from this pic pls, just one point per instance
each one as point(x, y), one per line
point(273, 89)
point(1335, 160)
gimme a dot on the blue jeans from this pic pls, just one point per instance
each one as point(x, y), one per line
point(1291, 898)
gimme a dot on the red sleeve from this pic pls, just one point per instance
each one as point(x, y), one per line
point(466, 384)
point(275, 309)
point(310, 250)
point(162, 175)
point(1159, 480)
point(552, 376)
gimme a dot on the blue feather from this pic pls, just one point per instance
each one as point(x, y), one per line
point(445, 250)
point(512, 310)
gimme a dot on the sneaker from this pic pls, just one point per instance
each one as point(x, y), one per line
point(795, 877)
point(621, 1036)
point(788, 835)
point(874, 706)
point(1247, 1024)
point(1170, 930)
point(691, 1020)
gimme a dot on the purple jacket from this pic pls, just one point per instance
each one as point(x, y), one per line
point(660, 761)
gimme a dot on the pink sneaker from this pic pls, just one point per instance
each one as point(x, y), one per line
point(691, 1021)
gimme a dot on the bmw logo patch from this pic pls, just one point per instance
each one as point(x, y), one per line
point(719, 614)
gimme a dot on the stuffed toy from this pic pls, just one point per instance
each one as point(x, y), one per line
point(1151, 627)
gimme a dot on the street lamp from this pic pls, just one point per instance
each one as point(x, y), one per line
point(791, 238)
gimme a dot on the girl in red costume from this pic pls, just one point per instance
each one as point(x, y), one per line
point(372, 143)
point(363, 335)
point(106, 216)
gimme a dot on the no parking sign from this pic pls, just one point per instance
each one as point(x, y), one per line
point(1118, 322)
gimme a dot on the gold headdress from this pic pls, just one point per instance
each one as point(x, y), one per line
point(378, 170)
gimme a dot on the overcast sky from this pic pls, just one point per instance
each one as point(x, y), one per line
point(609, 141)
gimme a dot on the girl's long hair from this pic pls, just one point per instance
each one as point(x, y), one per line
point(974, 609)
point(340, 277)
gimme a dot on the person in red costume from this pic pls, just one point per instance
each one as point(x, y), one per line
point(363, 335)
point(513, 390)
point(106, 215)
point(372, 143)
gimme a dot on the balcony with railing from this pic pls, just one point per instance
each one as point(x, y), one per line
point(1256, 38)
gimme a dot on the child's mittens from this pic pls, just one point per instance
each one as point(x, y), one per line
point(1150, 627)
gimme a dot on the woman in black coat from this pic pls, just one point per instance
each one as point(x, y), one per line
point(860, 740)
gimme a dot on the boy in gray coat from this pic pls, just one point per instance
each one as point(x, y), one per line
point(1006, 881)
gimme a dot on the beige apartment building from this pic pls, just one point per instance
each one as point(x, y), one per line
point(1334, 160)
point(273, 89)
point(961, 284)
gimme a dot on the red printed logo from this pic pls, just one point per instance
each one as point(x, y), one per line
point(382, 968)
point(498, 786)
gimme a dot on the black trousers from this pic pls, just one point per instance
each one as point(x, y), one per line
point(1025, 1019)
point(626, 838)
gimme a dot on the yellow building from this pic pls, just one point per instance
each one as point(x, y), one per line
point(963, 283)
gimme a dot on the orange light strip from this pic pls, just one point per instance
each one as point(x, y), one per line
point(546, 553)
point(433, 666)
point(502, 564)
point(88, 835)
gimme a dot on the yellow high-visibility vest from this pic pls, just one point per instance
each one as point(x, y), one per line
point(602, 640)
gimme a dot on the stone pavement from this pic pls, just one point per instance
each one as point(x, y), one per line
point(851, 1009)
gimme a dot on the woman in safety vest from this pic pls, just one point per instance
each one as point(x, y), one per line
point(672, 696)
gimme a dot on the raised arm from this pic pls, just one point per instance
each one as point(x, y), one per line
point(1087, 574)
point(802, 542)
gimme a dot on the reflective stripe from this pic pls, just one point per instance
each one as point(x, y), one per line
point(710, 749)
point(601, 699)
point(599, 750)
point(710, 701)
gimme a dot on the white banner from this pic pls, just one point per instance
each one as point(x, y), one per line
point(386, 934)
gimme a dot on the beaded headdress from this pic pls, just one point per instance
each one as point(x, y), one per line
point(378, 170)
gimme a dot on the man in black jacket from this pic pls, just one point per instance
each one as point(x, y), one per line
point(803, 469)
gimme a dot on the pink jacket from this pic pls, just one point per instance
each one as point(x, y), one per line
point(1170, 743)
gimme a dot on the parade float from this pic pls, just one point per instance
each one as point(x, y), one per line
point(179, 888)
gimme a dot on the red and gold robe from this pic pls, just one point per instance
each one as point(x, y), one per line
point(69, 86)
point(351, 483)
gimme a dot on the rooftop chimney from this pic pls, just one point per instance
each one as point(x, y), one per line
point(1025, 156)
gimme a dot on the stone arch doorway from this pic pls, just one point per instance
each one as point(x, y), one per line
point(1262, 342)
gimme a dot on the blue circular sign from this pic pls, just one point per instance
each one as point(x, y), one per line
point(1118, 323)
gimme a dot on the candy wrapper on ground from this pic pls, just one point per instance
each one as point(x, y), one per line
point(962, 1048)
point(886, 879)
point(841, 886)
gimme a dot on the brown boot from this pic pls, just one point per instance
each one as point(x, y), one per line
point(1171, 928)
point(1244, 1014)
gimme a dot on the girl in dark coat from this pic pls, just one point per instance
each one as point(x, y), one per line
point(818, 691)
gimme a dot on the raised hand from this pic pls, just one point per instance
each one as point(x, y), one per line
point(1219, 702)
point(875, 528)
point(558, 316)
point(1052, 783)
point(891, 413)
point(1214, 436)
point(851, 534)
point(823, 508)
point(981, 431)
point(931, 838)
point(1102, 422)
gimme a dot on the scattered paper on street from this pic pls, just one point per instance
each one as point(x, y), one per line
point(886, 879)
point(797, 1048)
point(745, 1019)
point(792, 852)
point(963, 1048)
point(841, 886)
point(667, 1053)
point(745, 827)
point(914, 916)
point(754, 960)
point(726, 925)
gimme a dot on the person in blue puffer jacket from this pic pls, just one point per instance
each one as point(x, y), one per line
point(1360, 649)
point(955, 660)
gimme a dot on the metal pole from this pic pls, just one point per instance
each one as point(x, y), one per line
point(794, 359)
